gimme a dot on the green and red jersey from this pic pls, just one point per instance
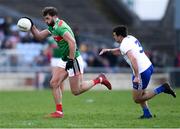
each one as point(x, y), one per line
point(57, 31)
point(56, 52)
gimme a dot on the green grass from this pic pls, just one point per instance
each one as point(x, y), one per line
point(94, 109)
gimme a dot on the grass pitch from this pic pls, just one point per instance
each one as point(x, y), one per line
point(94, 109)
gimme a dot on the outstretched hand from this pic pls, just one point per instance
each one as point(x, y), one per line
point(104, 51)
point(32, 23)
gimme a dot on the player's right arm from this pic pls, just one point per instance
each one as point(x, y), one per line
point(39, 35)
point(114, 51)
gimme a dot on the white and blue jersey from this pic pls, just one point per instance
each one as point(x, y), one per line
point(144, 64)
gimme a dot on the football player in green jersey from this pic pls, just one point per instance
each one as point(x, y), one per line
point(71, 62)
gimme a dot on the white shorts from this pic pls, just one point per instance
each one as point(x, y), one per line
point(77, 69)
point(54, 61)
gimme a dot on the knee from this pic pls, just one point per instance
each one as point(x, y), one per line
point(137, 100)
point(53, 83)
point(75, 93)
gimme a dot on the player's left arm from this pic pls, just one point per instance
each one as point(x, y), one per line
point(134, 63)
point(72, 44)
point(114, 51)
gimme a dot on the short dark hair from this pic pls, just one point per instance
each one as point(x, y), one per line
point(120, 30)
point(52, 11)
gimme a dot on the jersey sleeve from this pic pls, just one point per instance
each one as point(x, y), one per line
point(126, 46)
point(50, 29)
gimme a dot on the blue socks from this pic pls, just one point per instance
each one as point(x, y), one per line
point(159, 89)
point(146, 112)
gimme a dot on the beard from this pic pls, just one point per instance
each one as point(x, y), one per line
point(51, 24)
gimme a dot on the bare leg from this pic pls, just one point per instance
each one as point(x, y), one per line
point(144, 104)
point(62, 87)
point(58, 76)
point(78, 86)
point(142, 96)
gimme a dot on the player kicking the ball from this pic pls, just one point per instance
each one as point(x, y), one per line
point(132, 51)
point(71, 62)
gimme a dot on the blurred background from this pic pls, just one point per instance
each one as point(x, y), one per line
point(25, 62)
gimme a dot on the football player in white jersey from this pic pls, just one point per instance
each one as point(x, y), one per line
point(132, 51)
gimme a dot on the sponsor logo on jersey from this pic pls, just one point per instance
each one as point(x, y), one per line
point(57, 38)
